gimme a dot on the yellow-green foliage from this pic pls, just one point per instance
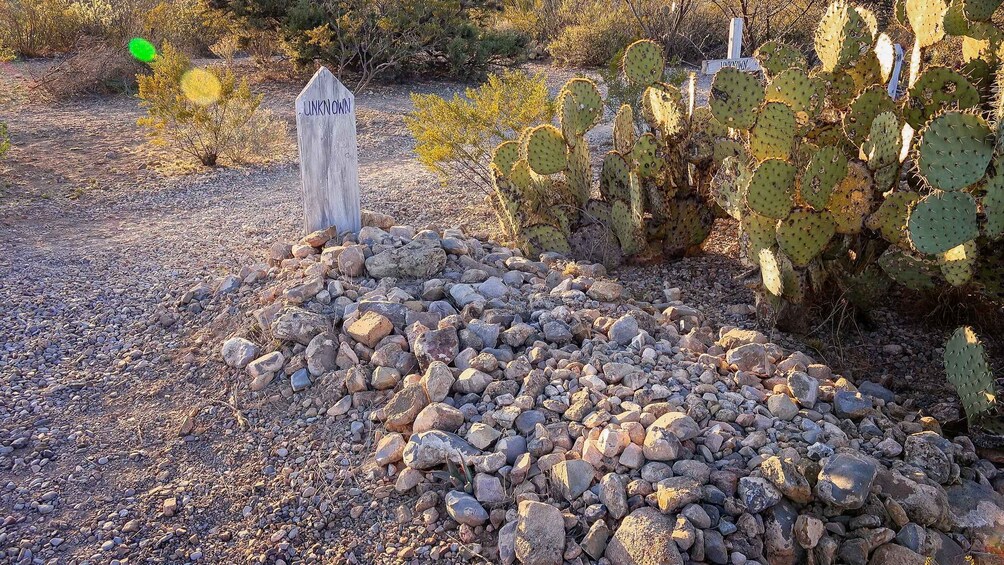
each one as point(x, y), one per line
point(456, 137)
point(4, 139)
point(34, 28)
point(233, 126)
point(596, 33)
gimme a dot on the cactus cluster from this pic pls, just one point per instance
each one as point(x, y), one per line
point(650, 185)
point(834, 180)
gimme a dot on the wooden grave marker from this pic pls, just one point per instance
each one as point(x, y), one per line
point(329, 159)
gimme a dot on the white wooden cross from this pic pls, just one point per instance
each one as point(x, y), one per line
point(329, 160)
point(735, 58)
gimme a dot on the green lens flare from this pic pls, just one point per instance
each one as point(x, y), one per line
point(142, 49)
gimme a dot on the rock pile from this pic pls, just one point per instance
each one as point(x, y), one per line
point(536, 409)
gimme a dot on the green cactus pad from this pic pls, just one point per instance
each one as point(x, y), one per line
point(541, 238)
point(804, 234)
point(865, 71)
point(939, 88)
point(771, 189)
point(955, 21)
point(954, 150)
point(941, 221)
point(969, 372)
point(851, 199)
point(643, 62)
point(890, 219)
point(726, 148)
point(826, 169)
point(615, 177)
point(993, 205)
point(624, 129)
point(596, 212)
point(858, 119)
point(771, 264)
point(839, 88)
point(661, 108)
point(899, 12)
point(579, 174)
point(927, 20)
point(912, 272)
point(625, 227)
point(774, 133)
point(758, 232)
point(775, 57)
point(545, 150)
point(842, 35)
point(957, 263)
point(794, 88)
point(735, 98)
point(688, 224)
point(508, 196)
point(980, 10)
point(884, 142)
point(728, 186)
point(645, 154)
point(581, 107)
point(505, 156)
point(703, 120)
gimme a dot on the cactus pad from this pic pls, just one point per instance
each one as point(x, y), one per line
point(758, 232)
point(688, 223)
point(942, 220)
point(541, 238)
point(625, 227)
point(581, 107)
point(775, 57)
point(955, 150)
point(969, 372)
point(865, 71)
point(939, 88)
point(645, 154)
point(794, 88)
point(858, 119)
point(826, 169)
point(980, 10)
point(890, 219)
point(728, 186)
point(662, 110)
point(851, 199)
point(912, 272)
point(842, 35)
point(615, 177)
point(771, 189)
point(508, 196)
point(770, 271)
point(735, 98)
point(957, 263)
point(927, 20)
point(505, 156)
point(643, 62)
point(545, 150)
point(726, 148)
point(579, 174)
point(624, 129)
point(884, 141)
point(774, 133)
point(804, 234)
point(596, 212)
point(993, 205)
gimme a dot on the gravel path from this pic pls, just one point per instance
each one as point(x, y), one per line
point(99, 368)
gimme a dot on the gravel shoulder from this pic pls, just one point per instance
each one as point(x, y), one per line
point(100, 370)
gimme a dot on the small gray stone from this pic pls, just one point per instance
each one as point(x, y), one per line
point(465, 509)
point(238, 352)
point(572, 477)
point(300, 380)
point(850, 404)
point(624, 329)
point(758, 494)
point(846, 480)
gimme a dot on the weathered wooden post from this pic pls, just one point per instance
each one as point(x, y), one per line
point(734, 57)
point(736, 38)
point(329, 160)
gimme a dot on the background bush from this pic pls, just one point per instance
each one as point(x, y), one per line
point(456, 137)
point(232, 126)
point(37, 28)
point(370, 38)
point(4, 139)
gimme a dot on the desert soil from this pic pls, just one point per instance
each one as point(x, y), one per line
point(113, 401)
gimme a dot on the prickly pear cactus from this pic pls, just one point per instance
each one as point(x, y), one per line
point(955, 150)
point(545, 150)
point(942, 220)
point(643, 62)
point(735, 98)
point(969, 372)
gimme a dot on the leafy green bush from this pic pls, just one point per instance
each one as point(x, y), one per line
point(455, 137)
point(205, 113)
point(36, 28)
point(370, 38)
